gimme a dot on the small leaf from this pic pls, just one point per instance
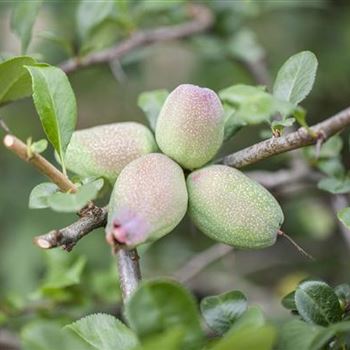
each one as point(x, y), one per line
point(254, 105)
point(73, 202)
point(332, 147)
point(335, 185)
point(344, 216)
point(39, 146)
point(40, 193)
point(332, 167)
point(221, 311)
point(151, 103)
point(317, 303)
point(91, 14)
point(23, 17)
point(288, 301)
point(104, 332)
point(15, 81)
point(281, 124)
point(300, 116)
point(55, 103)
point(164, 304)
point(296, 77)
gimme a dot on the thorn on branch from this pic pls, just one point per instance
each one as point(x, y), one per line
point(321, 138)
point(4, 127)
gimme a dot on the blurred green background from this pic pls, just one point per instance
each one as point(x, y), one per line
point(282, 28)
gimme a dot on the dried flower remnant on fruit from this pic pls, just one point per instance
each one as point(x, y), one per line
point(149, 199)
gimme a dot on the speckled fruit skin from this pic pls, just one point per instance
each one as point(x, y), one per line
point(231, 208)
point(149, 199)
point(106, 149)
point(190, 126)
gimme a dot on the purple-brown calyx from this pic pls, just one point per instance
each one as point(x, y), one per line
point(128, 229)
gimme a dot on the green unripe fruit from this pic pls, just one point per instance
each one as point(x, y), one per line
point(149, 199)
point(106, 149)
point(190, 126)
point(231, 208)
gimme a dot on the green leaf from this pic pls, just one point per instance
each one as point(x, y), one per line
point(47, 335)
point(90, 14)
point(23, 17)
point(288, 301)
point(335, 185)
point(261, 338)
point(253, 104)
point(300, 335)
point(15, 81)
point(317, 303)
point(104, 332)
point(164, 304)
point(39, 146)
point(151, 103)
point(55, 103)
point(62, 271)
point(332, 167)
point(73, 202)
point(296, 77)
point(40, 193)
point(281, 124)
point(300, 116)
point(344, 216)
point(221, 311)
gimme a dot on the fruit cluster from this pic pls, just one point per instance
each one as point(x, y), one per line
point(151, 194)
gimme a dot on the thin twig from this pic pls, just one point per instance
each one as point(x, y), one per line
point(9, 341)
point(92, 217)
point(201, 260)
point(282, 177)
point(202, 19)
point(294, 140)
point(68, 237)
point(40, 163)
